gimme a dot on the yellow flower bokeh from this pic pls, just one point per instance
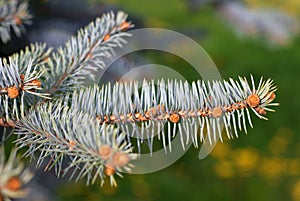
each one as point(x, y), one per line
point(295, 191)
point(246, 161)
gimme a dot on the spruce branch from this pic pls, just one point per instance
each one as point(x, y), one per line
point(142, 109)
point(16, 88)
point(83, 54)
point(13, 15)
point(13, 176)
point(87, 132)
point(58, 132)
point(38, 53)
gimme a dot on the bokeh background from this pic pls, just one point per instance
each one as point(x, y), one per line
point(242, 37)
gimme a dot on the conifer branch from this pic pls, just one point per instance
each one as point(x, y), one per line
point(84, 54)
point(94, 151)
point(13, 176)
point(34, 55)
point(38, 53)
point(16, 88)
point(178, 106)
point(13, 15)
point(92, 128)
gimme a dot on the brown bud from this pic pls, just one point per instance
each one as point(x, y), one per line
point(124, 26)
point(12, 92)
point(272, 96)
point(13, 184)
point(120, 159)
point(253, 100)
point(217, 112)
point(147, 115)
point(46, 59)
point(113, 118)
point(106, 37)
point(142, 118)
point(174, 118)
point(89, 55)
point(261, 111)
point(105, 152)
point(17, 20)
point(22, 77)
point(109, 169)
point(137, 115)
point(9, 123)
point(36, 83)
point(72, 144)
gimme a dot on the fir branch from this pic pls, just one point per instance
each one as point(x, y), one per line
point(84, 54)
point(94, 151)
point(13, 15)
point(146, 107)
point(13, 176)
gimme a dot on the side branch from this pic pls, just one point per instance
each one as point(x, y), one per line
point(13, 14)
point(84, 54)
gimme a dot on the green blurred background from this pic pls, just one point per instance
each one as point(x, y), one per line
point(263, 165)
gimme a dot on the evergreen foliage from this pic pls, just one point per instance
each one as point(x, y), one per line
point(88, 130)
